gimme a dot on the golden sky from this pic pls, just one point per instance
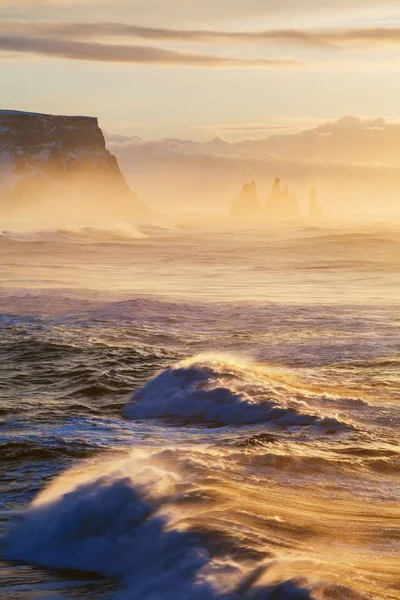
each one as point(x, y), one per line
point(199, 69)
point(185, 67)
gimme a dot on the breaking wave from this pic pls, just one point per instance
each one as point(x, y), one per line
point(219, 390)
point(123, 519)
point(117, 232)
point(104, 522)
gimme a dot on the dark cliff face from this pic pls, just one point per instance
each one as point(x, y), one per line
point(43, 157)
point(31, 130)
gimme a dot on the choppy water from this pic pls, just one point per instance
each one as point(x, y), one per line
point(200, 415)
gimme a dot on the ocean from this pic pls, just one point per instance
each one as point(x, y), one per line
point(200, 413)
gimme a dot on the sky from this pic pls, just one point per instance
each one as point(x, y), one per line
point(207, 70)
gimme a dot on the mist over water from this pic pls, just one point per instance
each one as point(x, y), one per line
point(200, 413)
point(67, 218)
point(345, 264)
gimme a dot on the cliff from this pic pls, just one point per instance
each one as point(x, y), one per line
point(62, 164)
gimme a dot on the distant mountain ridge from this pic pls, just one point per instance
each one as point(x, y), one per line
point(48, 157)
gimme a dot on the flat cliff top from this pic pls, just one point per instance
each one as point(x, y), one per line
point(21, 113)
point(27, 132)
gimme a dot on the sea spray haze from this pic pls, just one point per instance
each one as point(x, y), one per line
point(200, 413)
point(199, 310)
point(56, 173)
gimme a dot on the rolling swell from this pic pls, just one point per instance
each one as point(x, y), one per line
point(266, 505)
point(180, 521)
point(15, 451)
point(352, 238)
point(120, 232)
point(219, 390)
point(124, 519)
point(81, 371)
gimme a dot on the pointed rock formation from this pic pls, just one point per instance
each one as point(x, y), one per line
point(247, 206)
point(294, 207)
point(61, 164)
point(273, 204)
point(285, 198)
point(276, 189)
point(281, 206)
point(315, 211)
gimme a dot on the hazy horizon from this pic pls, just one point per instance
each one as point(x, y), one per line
point(199, 299)
point(196, 99)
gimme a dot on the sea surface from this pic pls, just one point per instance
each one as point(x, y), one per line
point(198, 413)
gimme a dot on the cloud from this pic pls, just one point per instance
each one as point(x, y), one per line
point(229, 7)
point(340, 38)
point(277, 125)
point(323, 38)
point(209, 13)
point(17, 3)
point(355, 163)
point(349, 140)
point(94, 51)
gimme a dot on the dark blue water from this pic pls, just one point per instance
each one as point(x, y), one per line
point(200, 415)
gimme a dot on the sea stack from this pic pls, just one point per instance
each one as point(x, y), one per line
point(294, 207)
point(315, 212)
point(276, 189)
point(247, 206)
point(60, 165)
point(281, 205)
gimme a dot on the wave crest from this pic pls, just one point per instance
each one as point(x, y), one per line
point(220, 390)
point(124, 519)
point(106, 523)
point(73, 234)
